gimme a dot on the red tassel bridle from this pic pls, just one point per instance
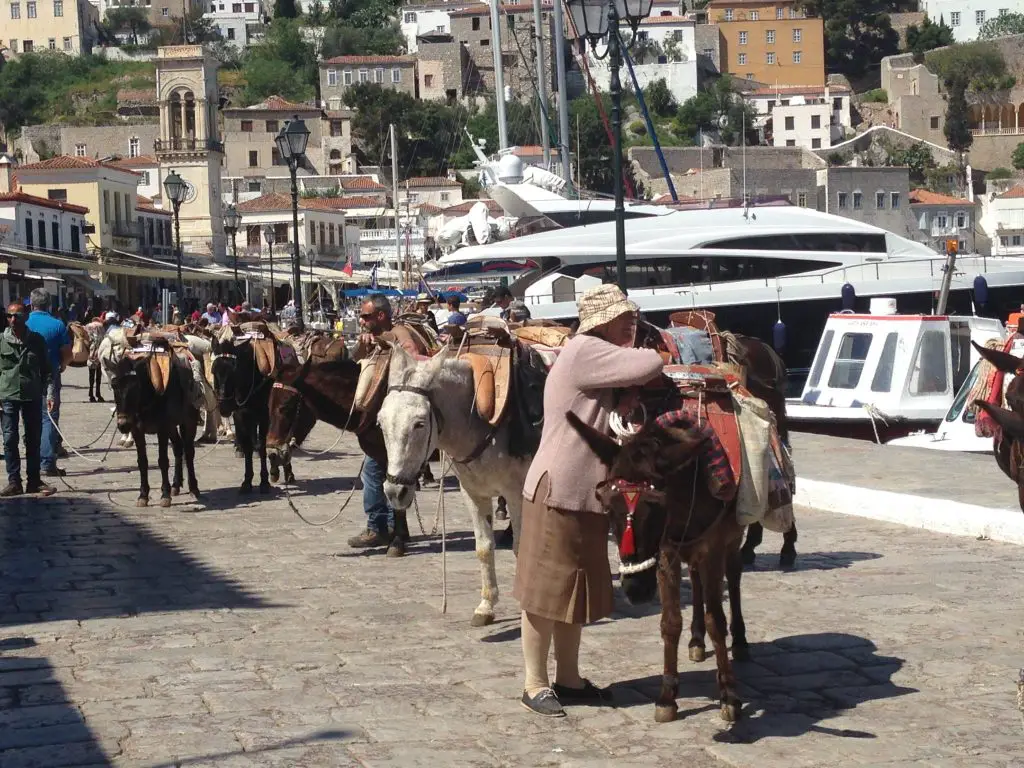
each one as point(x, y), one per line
point(631, 493)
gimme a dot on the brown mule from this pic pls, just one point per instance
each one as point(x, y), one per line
point(1008, 445)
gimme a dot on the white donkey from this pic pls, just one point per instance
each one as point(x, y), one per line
point(430, 405)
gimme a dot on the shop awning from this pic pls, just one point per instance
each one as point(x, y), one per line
point(93, 286)
point(140, 269)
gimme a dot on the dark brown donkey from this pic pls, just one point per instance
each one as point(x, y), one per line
point(324, 391)
point(1009, 444)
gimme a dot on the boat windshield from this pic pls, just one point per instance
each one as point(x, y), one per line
point(960, 401)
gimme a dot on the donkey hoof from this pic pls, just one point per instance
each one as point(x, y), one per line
point(275, 475)
point(731, 711)
point(481, 619)
point(142, 501)
point(748, 556)
point(196, 494)
point(289, 478)
point(787, 559)
point(176, 490)
point(697, 653)
point(265, 487)
point(740, 653)
point(165, 501)
point(665, 713)
point(245, 487)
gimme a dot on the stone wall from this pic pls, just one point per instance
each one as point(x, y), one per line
point(706, 38)
point(99, 140)
point(682, 159)
point(443, 59)
point(868, 181)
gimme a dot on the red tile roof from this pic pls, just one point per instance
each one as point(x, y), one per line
point(68, 163)
point(45, 202)
point(361, 184)
point(463, 208)
point(418, 182)
point(279, 202)
point(142, 161)
point(533, 150)
point(362, 202)
point(506, 9)
point(924, 197)
point(370, 60)
point(143, 96)
point(143, 203)
point(676, 20)
point(1012, 194)
point(797, 90)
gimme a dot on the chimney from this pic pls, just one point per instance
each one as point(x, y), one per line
point(6, 174)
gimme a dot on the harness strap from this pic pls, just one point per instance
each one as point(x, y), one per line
point(286, 388)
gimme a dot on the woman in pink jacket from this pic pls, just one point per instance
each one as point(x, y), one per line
point(563, 580)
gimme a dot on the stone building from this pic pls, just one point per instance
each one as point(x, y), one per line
point(337, 75)
point(35, 26)
point(250, 149)
point(943, 217)
point(876, 196)
point(38, 142)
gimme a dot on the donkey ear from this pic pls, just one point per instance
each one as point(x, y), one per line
point(439, 359)
point(681, 448)
point(606, 449)
point(1012, 423)
point(1003, 361)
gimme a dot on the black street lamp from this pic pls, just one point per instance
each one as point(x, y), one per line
point(176, 189)
point(596, 20)
point(311, 258)
point(291, 144)
point(232, 221)
point(268, 235)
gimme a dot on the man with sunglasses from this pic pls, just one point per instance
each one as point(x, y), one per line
point(25, 377)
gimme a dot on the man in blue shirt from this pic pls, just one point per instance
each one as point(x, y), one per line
point(58, 348)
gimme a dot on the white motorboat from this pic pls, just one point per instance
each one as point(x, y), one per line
point(956, 431)
point(883, 375)
point(752, 266)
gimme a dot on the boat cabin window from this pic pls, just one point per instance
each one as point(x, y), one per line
point(929, 373)
point(819, 360)
point(960, 347)
point(961, 399)
point(882, 381)
point(812, 241)
point(689, 270)
point(849, 363)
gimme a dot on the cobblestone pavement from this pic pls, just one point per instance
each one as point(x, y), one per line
point(233, 634)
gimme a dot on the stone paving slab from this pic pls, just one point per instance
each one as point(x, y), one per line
point(964, 477)
point(232, 634)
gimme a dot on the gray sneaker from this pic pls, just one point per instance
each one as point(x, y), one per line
point(544, 703)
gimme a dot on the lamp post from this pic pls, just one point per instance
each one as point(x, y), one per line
point(291, 143)
point(176, 190)
point(595, 20)
point(268, 235)
point(311, 258)
point(232, 221)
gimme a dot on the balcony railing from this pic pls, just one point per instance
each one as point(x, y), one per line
point(189, 144)
point(416, 234)
point(129, 229)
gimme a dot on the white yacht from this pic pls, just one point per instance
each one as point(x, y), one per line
point(754, 266)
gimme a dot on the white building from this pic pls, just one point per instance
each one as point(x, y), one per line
point(432, 190)
point(428, 18)
point(809, 117)
point(670, 54)
point(148, 168)
point(966, 17)
point(239, 23)
point(1002, 221)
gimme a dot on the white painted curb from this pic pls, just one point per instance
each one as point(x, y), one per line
point(940, 515)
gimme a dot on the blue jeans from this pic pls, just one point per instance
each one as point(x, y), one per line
point(29, 412)
point(379, 514)
point(50, 438)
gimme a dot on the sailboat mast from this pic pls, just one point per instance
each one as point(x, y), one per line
point(394, 192)
point(542, 84)
point(499, 74)
point(563, 98)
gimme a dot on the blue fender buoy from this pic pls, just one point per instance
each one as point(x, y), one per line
point(849, 294)
point(980, 291)
point(779, 336)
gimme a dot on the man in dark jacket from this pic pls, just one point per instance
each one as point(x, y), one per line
point(25, 379)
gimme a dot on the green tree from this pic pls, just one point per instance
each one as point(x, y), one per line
point(858, 33)
point(316, 13)
point(1002, 25)
point(595, 157)
point(1018, 158)
point(283, 50)
point(997, 174)
point(659, 98)
point(957, 128)
point(695, 114)
point(928, 36)
point(285, 9)
point(343, 39)
point(132, 19)
point(980, 65)
point(917, 157)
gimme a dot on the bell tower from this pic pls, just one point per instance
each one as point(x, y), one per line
point(190, 143)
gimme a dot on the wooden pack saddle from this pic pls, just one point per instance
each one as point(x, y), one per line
point(264, 344)
point(81, 343)
point(157, 348)
point(488, 348)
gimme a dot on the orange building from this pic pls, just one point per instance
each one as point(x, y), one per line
point(770, 41)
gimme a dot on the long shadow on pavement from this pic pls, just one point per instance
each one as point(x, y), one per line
point(75, 559)
point(38, 724)
point(789, 686)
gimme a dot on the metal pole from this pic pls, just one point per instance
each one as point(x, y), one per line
point(542, 85)
point(563, 97)
point(273, 301)
point(293, 167)
point(394, 193)
point(947, 281)
point(616, 91)
point(234, 252)
point(177, 240)
point(499, 75)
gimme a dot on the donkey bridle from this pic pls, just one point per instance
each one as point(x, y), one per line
point(435, 418)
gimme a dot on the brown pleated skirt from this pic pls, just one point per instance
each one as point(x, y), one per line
point(562, 570)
